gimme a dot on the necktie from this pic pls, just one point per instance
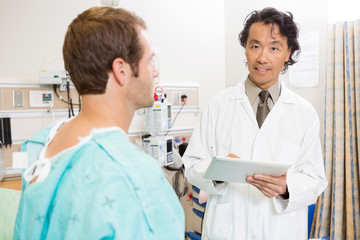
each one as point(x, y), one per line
point(263, 108)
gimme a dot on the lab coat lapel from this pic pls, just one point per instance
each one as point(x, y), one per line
point(239, 94)
point(277, 112)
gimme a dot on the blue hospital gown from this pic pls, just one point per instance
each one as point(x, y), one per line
point(105, 188)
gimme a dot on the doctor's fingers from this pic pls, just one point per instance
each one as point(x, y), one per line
point(279, 182)
point(268, 192)
point(274, 184)
point(232, 155)
point(278, 189)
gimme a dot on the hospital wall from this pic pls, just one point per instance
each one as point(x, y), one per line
point(309, 15)
point(188, 36)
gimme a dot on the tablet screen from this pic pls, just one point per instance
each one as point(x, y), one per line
point(236, 169)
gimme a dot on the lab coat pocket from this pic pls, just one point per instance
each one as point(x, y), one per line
point(218, 224)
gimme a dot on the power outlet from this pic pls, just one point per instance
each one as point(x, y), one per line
point(176, 98)
point(181, 101)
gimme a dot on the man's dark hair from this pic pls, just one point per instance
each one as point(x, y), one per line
point(286, 24)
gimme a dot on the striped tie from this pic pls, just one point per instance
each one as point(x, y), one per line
point(263, 108)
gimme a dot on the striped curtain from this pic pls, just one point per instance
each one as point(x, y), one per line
point(337, 210)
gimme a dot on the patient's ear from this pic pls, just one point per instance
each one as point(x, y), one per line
point(119, 69)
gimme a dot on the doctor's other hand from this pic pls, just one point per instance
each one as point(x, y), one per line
point(232, 155)
point(270, 186)
point(229, 155)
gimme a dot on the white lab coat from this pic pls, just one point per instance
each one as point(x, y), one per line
point(290, 134)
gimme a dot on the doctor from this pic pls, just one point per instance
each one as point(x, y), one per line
point(260, 119)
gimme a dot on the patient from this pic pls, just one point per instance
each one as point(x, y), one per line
point(89, 181)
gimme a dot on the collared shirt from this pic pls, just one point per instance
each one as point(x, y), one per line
point(252, 92)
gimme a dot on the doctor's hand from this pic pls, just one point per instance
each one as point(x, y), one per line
point(232, 155)
point(270, 186)
point(229, 155)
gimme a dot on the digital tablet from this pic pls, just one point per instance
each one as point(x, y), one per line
point(236, 169)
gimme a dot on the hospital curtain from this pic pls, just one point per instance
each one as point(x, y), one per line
point(337, 210)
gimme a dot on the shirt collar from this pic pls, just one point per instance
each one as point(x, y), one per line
point(252, 91)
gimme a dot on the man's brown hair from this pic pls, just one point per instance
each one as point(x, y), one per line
point(92, 42)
